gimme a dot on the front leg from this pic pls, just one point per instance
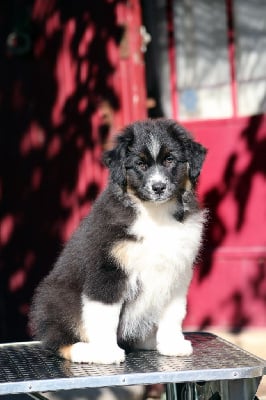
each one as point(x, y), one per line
point(170, 339)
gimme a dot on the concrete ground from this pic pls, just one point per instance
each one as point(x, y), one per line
point(252, 340)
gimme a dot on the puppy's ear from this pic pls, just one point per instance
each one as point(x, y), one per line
point(115, 160)
point(195, 154)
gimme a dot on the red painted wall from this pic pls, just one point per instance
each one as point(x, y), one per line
point(229, 287)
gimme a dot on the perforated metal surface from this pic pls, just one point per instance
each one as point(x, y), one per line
point(27, 367)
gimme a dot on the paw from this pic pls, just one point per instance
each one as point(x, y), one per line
point(178, 347)
point(96, 354)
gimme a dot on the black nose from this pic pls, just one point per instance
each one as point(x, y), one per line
point(158, 187)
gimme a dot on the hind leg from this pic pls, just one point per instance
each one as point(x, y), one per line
point(99, 332)
point(91, 353)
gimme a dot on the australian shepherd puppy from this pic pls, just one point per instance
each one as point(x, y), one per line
point(121, 281)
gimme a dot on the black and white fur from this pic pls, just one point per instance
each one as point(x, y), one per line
point(121, 281)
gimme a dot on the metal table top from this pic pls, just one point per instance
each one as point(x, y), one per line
point(27, 367)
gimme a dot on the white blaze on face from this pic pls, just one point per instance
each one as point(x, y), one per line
point(154, 147)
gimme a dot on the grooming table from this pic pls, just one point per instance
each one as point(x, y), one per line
point(216, 370)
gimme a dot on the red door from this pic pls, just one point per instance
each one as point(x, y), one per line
point(217, 86)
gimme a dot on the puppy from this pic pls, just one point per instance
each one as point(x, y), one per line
point(121, 280)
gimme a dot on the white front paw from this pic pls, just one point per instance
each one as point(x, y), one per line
point(178, 347)
point(96, 354)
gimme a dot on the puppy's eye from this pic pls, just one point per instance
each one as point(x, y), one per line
point(142, 165)
point(168, 160)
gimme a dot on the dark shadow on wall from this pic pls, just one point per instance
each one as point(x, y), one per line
point(47, 128)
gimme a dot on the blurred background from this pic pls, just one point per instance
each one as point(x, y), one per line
point(72, 74)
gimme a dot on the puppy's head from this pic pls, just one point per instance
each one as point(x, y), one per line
point(155, 159)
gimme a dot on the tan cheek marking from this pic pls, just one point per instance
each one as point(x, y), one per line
point(65, 352)
point(188, 185)
point(130, 192)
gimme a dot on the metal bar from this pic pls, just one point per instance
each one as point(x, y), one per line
point(232, 54)
point(171, 391)
point(37, 396)
point(172, 60)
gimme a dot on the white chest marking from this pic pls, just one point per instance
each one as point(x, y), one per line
point(160, 262)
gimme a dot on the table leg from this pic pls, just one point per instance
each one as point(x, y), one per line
point(243, 389)
point(238, 389)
